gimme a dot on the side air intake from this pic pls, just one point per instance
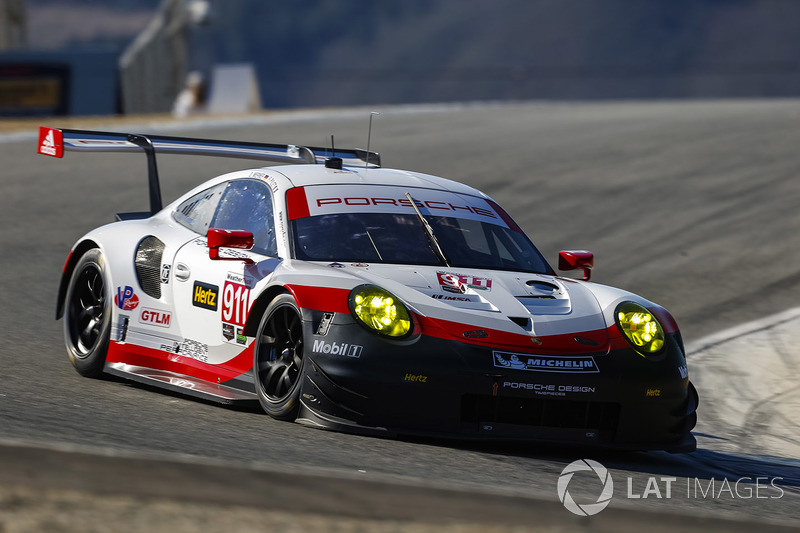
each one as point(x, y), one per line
point(148, 265)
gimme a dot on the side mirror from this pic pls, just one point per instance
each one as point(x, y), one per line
point(576, 260)
point(229, 238)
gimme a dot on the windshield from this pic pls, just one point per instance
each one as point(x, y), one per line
point(400, 238)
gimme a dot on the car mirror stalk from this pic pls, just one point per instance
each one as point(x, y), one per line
point(229, 238)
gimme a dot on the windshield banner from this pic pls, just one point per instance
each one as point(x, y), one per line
point(336, 199)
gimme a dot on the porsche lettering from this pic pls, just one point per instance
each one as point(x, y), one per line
point(542, 387)
point(405, 202)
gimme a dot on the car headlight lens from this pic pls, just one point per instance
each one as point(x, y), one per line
point(380, 311)
point(640, 327)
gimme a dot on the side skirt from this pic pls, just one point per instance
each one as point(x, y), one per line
point(182, 383)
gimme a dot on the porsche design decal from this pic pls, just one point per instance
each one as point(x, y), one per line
point(542, 363)
point(194, 349)
point(549, 389)
point(205, 295)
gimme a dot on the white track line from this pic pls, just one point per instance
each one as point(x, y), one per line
point(742, 330)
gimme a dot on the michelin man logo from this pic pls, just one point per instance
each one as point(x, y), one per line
point(588, 509)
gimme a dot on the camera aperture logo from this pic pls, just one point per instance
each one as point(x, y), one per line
point(587, 509)
point(746, 487)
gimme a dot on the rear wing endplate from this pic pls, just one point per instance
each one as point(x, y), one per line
point(53, 142)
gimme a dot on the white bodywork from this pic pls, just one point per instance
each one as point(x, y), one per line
point(173, 320)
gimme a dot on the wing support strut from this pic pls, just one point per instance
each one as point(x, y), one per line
point(152, 171)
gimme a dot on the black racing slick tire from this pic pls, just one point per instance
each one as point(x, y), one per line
point(87, 314)
point(278, 361)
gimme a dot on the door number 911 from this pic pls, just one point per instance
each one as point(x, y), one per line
point(235, 303)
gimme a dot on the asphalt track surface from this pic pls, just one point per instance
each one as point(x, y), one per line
point(692, 205)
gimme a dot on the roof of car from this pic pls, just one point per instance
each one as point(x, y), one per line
point(309, 175)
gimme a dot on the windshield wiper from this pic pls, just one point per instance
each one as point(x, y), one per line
point(429, 232)
point(373, 244)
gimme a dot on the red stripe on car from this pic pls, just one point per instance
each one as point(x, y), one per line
point(131, 354)
point(66, 263)
point(321, 298)
point(297, 203)
point(505, 217)
point(539, 344)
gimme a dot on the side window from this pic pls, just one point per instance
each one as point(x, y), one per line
point(247, 204)
point(196, 212)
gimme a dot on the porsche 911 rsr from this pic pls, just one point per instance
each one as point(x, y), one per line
point(352, 297)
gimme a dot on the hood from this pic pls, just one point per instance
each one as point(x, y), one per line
point(518, 307)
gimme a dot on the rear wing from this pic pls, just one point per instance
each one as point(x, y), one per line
point(53, 142)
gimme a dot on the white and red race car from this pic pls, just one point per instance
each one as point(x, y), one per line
point(352, 297)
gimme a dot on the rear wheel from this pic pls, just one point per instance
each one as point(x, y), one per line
point(278, 358)
point(87, 315)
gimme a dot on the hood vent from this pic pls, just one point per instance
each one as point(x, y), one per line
point(522, 321)
point(543, 286)
point(546, 305)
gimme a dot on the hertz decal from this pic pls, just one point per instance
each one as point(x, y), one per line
point(205, 295)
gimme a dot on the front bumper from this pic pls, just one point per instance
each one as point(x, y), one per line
point(355, 381)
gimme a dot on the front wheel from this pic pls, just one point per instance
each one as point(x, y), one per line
point(278, 358)
point(87, 316)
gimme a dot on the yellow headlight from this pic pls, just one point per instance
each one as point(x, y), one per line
point(380, 311)
point(640, 328)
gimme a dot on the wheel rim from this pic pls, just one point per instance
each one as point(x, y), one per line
point(280, 353)
point(86, 310)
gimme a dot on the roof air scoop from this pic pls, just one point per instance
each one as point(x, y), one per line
point(334, 163)
point(542, 285)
